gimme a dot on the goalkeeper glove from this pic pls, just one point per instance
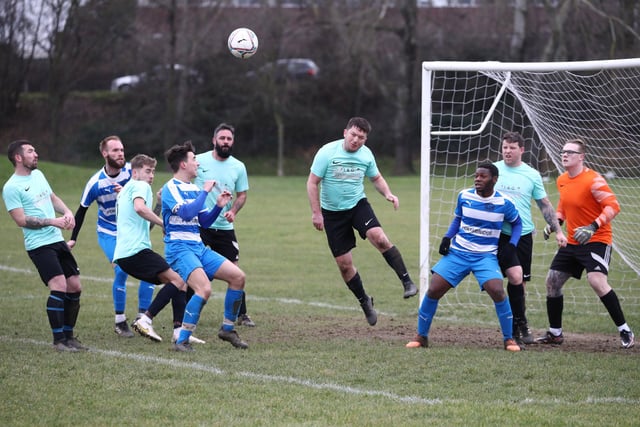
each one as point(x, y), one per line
point(583, 234)
point(444, 245)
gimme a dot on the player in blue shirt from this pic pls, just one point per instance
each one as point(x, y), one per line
point(183, 213)
point(32, 204)
point(340, 206)
point(470, 246)
point(103, 188)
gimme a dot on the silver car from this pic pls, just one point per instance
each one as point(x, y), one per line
point(157, 73)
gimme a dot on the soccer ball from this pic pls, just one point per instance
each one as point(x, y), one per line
point(242, 43)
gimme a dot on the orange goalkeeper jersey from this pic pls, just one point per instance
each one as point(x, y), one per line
point(586, 198)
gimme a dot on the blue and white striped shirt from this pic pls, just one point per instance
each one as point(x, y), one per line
point(176, 193)
point(100, 188)
point(481, 220)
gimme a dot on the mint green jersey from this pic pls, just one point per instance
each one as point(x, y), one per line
point(132, 229)
point(230, 175)
point(342, 174)
point(520, 184)
point(32, 193)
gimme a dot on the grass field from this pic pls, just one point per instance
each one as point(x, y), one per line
point(313, 360)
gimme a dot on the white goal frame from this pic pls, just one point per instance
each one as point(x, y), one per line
point(428, 68)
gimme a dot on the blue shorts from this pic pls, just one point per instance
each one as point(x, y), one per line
point(108, 244)
point(184, 257)
point(457, 265)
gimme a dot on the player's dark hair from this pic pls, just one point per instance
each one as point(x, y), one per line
point(224, 126)
point(142, 160)
point(487, 164)
point(178, 153)
point(103, 143)
point(14, 148)
point(360, 123)
point(514, 137)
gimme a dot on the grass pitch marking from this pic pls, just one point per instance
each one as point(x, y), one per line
point(210, 369)
point(337, 388)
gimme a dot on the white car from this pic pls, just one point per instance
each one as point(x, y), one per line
point(159, 72)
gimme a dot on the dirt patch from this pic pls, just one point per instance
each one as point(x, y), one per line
point(441, 336)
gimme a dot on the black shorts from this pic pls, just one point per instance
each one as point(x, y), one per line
point(573, 259)
point(522, 256)
point(53, 260)
point(339, 225)
point(222, 241)
point(145, 265)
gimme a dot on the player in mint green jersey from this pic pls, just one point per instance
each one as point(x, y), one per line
point(32, 204)
point(520, 183)
point(230, 174)
point(133, 253)
point(335, 188)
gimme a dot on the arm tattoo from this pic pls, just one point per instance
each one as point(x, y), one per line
point(35, 222)
point(548, 213)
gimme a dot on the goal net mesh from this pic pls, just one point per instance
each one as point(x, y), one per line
point(469, 111)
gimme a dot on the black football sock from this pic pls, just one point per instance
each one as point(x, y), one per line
point(355, 285)
point(394, 259)
point(162, 299)
point(555, 305)
point(55, 313)
point(178, 303)
point(190, 293)
point(243, 307)
point(516, 299)
point(71, 310)
point(611, 302)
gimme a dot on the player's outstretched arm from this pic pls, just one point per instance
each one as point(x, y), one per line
point(383, 188)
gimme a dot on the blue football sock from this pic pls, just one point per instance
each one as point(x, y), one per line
point(145, 295)
point(505, 317)
point(425, 315)
point(191, 317)
point(119, 290)
point(232, 303)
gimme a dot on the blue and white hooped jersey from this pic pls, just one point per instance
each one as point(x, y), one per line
point(100, 188)
point(176, 193)
point(481, 221)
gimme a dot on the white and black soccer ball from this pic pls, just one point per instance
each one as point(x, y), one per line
point(242, 43)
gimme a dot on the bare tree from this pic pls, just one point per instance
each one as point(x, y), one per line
point(187, 28)
point(621, 20)
point(405, 94)
point(519, 30)
point(19, 21)
point(77, 34)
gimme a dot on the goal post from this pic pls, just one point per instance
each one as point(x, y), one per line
point(468, 106)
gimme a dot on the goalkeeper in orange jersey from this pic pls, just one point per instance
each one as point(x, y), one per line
point(587, 206)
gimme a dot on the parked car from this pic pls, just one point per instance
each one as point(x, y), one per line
point(287, 68)
point(157, 73)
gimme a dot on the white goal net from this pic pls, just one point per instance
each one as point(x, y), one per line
point(468, 106)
